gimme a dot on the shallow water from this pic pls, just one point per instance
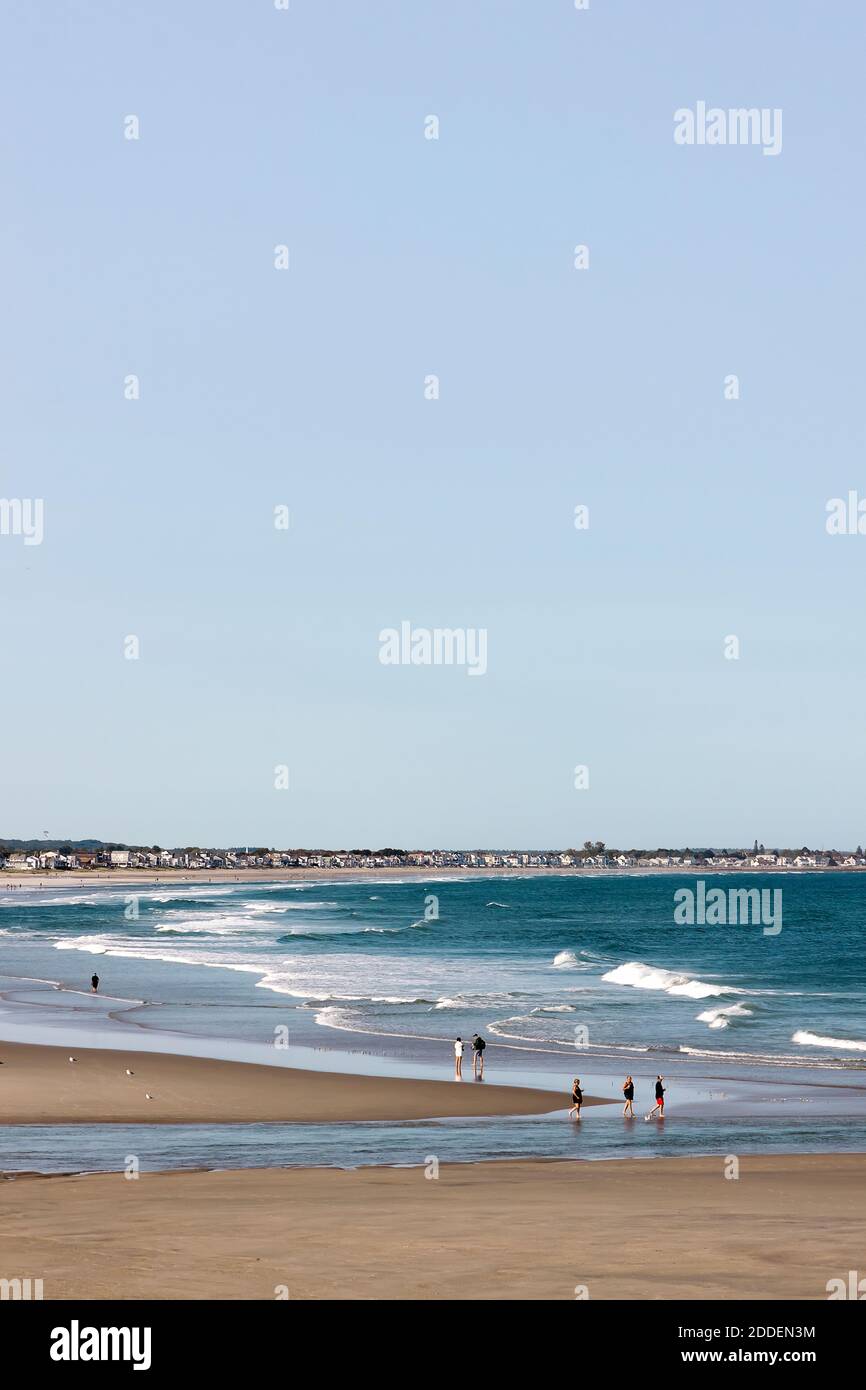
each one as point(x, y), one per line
point(99, 1148)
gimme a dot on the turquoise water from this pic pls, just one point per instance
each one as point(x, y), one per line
point(528, 961)
point(760, 1035)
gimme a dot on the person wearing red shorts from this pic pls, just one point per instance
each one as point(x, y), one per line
point(660, 1100)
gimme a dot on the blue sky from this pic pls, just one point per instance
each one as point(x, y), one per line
point(557, 387)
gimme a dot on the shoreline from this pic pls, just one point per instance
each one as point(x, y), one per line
point(782, 1230)
point(40, 1086)
point(412, 1057)
point(49, 878)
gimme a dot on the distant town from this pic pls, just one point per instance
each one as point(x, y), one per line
point(22, 856)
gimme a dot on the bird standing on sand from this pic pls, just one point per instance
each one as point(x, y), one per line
point(72, 1059)
point(148, 1096)
point(129, 1073)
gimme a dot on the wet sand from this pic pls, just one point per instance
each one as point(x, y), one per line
point(39, 1085)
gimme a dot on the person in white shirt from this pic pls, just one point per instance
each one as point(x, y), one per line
point(458, 1058)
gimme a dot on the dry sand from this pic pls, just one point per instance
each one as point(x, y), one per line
point(670, 1228)
point(39, 1085)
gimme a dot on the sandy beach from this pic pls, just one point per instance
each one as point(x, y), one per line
point(510, 1230)
point(525, 1228)
point(39, 1085)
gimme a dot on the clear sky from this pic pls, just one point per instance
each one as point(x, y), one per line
point(409, 257)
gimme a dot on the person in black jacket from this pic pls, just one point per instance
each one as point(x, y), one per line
point(628, 1092)
point(478, 1046)
point(660, 1100)
point(576, 1099)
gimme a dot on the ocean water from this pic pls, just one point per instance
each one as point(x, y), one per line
point(525, 960)
point(561, 975)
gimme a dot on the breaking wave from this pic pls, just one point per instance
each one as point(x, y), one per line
point(807, 1039)
point(721, 1017)
point(641, 976)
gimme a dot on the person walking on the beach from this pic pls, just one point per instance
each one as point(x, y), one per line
point(576, 1098)
point(458, 1058)
point(660, 1100)
point(94, 983)
point(478, 1046)
point(628, 1092)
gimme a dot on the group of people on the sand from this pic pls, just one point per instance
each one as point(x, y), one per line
point(628, 1094)
point(478, 1045)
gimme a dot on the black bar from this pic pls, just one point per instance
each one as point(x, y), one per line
point(242, 1337)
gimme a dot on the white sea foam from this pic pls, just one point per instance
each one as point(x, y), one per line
point(499, 1028)
point(284, 982)
point(641, 976)
point(775, 1059)
point(396, 999)
point(51, 902)
point(503, 1028)
point(226, 924)
point(170, 895)
point(336, 1017)
point(109, 946)
point(807, 1039)
point(564, 959)
point(721, 1017)
point(93, 945)
point(291, 907)
point(313, 929)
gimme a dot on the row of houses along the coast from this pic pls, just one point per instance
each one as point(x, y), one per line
point(69, 858)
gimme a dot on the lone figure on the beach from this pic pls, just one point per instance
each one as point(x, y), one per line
point(94, 983)
point(458, 1058)
point(478, 1046)
point(576, 1099)
point(660, 1100)
point(628, 1092)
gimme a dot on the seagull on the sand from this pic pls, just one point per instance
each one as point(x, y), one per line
point(148, 1096)
point(129, 1073)
point(72, 1059)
